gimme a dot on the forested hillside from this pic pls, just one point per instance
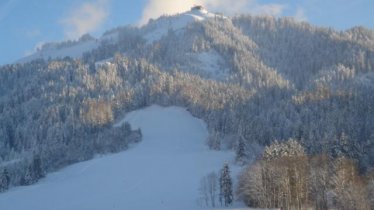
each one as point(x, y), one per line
point(253, 80)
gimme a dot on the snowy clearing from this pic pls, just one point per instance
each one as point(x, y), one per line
point(211, 63)
point(161, 172)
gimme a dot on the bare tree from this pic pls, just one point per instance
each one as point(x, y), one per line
point(319, 181)
point(208, 189)
point(251, 188)
point(371, 191)
point(350, 188)
point(212, 187)
point(204, 191)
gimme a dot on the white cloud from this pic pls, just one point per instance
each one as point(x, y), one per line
point(156, 8)
point(269, 9)
point(300, 14)
point(85, 19)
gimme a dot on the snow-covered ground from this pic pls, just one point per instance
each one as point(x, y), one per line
point(175, 23)
point(160, 173)
point(211, 64)
point(75, 51)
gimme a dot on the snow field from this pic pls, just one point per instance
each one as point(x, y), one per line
point(161, 172)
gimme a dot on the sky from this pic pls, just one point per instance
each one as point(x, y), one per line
point(26, 24)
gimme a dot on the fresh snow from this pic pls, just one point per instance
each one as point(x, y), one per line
point(4, 164)
point(207, 64)
point(74, 51)
point(176, 23)
point(161, 28)
point(162, 172)
point(154, 31)
point(105, 62)
point(211, 63)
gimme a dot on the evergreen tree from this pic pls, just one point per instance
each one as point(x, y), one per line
point(4, 181)
point(226, 195)
point(240, 151)
point(28, 177)
point(37, 167)
point(34, 172)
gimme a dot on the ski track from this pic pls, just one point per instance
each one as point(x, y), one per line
point(163, 171)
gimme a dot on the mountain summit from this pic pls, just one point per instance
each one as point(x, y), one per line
point(161, 26)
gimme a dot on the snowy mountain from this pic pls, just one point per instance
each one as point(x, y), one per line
point(208, 63)
point(252, 82)
point(153, 31)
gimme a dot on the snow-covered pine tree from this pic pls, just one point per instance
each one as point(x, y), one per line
point(4, 180)
point(28, 178)
point(226, 195)
point(37, 167)
point(240, 151)
point(34, 172)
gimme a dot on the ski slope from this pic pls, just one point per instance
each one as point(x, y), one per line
point(160, 173)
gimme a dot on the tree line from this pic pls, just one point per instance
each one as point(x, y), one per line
point(286, 177)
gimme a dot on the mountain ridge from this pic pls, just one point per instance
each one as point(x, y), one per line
point(176, 22)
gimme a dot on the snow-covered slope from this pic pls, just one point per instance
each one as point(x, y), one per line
point(151, 32)
point(161, 172)
point(159, 28)
point(212, 63)
point(74, 51)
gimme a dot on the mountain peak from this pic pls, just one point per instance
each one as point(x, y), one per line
point(162, 25)
point(198, 13)
point(199, 8)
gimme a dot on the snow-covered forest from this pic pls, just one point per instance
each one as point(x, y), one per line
point(255, 81)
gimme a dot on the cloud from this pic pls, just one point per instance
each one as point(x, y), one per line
point(269, 9)
point(87, 18)
point(156, 8)
point(300, 14)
